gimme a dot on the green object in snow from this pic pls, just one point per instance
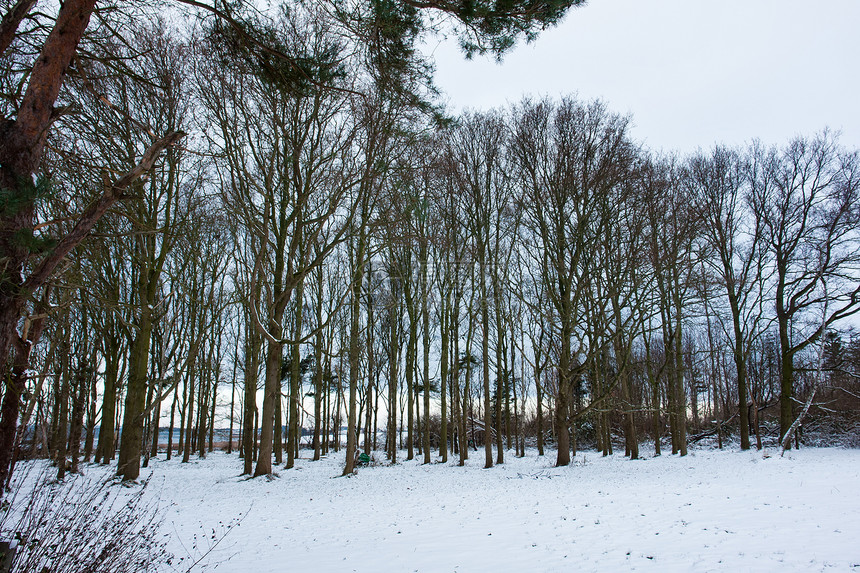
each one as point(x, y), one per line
point(363, 460)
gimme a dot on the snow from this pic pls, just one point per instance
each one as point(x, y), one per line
point(710, 511)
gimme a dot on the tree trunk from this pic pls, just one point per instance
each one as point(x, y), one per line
point(9, 411)
point(212, 403)
point(79, 397)
point(135, 400)
point(369, 426)
point(501, 387)
point(271, 393)
point(172, 422)
point(155, 419)
point(425, 317)
point(232, 403)
point(562, 402)
point(681, 394)
point(249, 437)
point(91, 422)
point(318, 379)
point(786, 381)
point(295, 376)
point(443, 377)
point(278, 446)
point(411, 347)
point(62, 427)
point(188, 413)
point(354, 349)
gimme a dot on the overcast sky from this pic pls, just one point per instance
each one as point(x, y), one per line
point(690, 72)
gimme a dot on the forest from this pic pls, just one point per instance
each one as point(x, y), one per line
point(259, 230)
point(246, 248)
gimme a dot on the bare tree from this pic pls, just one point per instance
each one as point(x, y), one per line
point(806, 196)
point(568, 156)
point(672, 231)
point(719, 182)
point(476, 155)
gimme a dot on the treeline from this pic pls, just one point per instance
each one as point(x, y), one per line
point(327, 251)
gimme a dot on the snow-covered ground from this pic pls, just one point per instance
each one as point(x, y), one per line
point(710, 511)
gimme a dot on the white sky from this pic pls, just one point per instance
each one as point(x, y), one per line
point(692, 73)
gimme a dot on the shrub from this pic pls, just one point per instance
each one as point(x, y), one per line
point(81, 524)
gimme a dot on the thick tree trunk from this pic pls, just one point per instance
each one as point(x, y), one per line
point(656, 424)
point(562, 402)
point(128, 465)
point(741, 369)
point(467, 421)
point(188, 414)
point(271, 393)
point(459, 412)
point(355, 349)
point(11, 405)
point(488, 420)
point(631, 438)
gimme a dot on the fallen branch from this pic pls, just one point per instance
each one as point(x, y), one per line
point(709, 433)
point(786, 440)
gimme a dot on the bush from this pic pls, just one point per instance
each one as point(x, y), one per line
point(81, 524)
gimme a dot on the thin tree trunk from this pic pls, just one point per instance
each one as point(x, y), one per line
point(89, 441)
point(61, 437)
point(172, 422)
point(443, 377)
point(425, 343)
point(105, 447)
point(232, 401)
point(295, 376)
point(79, 397)
point(249, 435)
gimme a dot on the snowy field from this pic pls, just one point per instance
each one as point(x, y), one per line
point(710, 511)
